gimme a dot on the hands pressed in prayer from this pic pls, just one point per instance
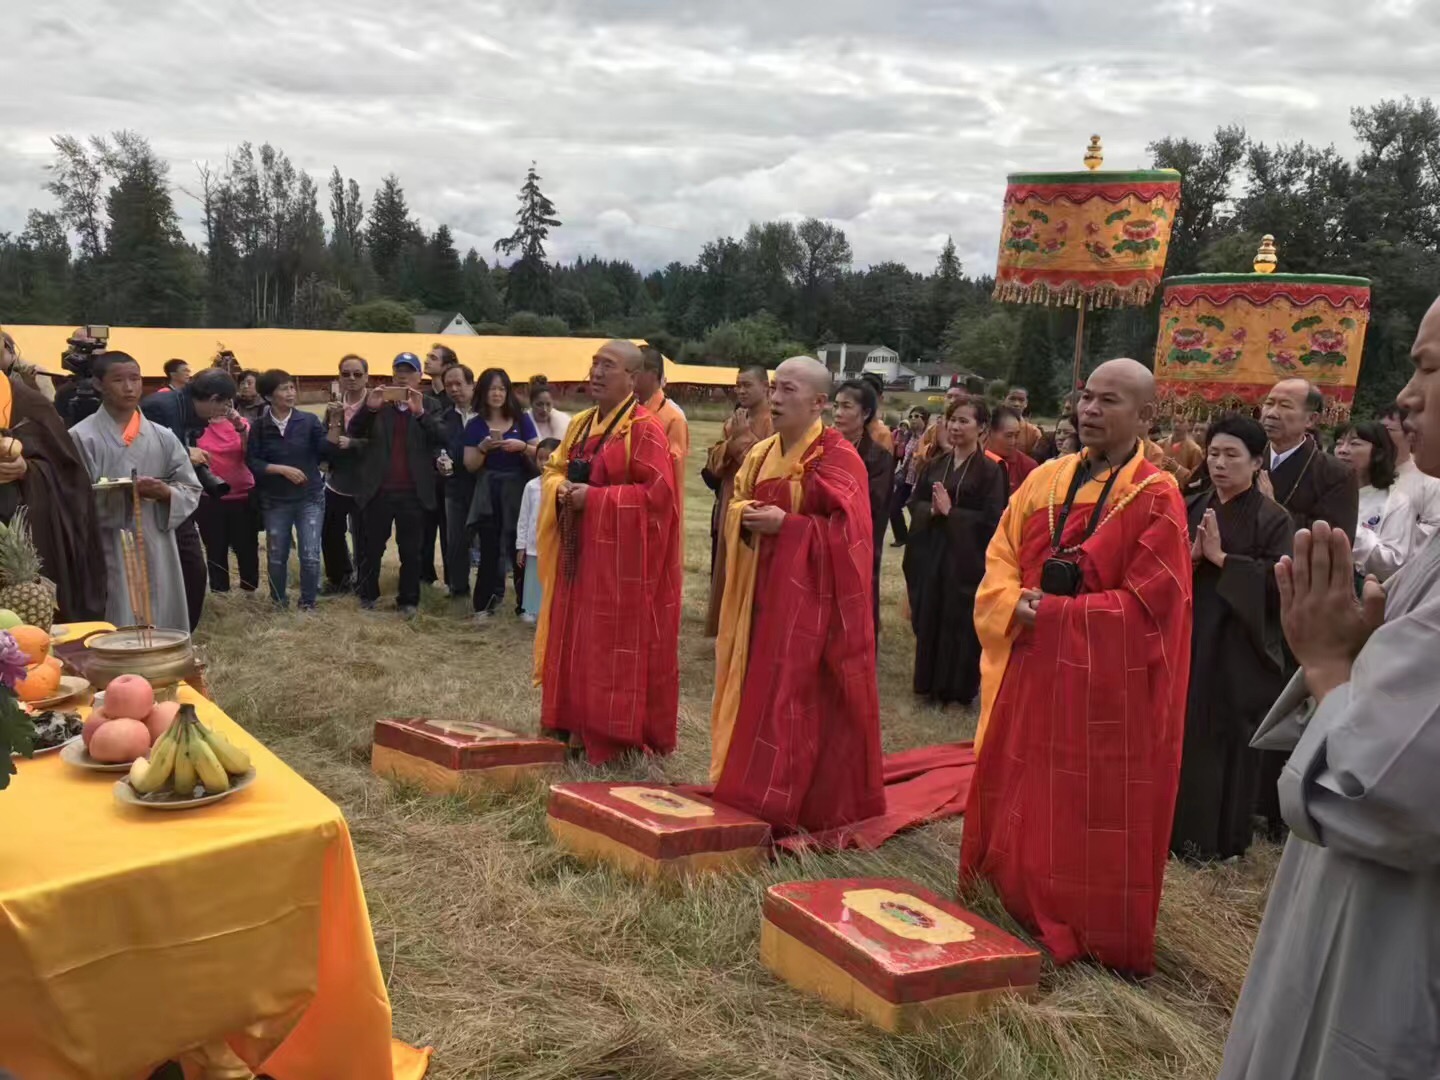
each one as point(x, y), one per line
point(1028, 609)
point(762, 520)
point(1324, 623)
point(13, 470)
point(742, 421)
point(1262, 481)
point(1208, 537)
point(152, 489)
point(940, 500)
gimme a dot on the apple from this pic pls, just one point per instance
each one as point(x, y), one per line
point(8, 619)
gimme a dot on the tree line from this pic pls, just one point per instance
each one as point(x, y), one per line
point(110, 249)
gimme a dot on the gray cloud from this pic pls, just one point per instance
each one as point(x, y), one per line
point(659, 125)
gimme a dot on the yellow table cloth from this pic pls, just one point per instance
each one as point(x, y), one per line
point(131, 936)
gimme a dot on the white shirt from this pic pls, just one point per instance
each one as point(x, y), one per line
point(1385, 533)
point(553, 428)
point(1276, 460)
point(1424, 495)
point(279, 423)
point(527, 527)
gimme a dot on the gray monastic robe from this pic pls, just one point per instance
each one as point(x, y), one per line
point(1345, 980)
point(157, 453)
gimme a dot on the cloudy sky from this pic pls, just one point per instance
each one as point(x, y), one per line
point(659, 125)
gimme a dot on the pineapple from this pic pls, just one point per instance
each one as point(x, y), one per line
point(22, 589)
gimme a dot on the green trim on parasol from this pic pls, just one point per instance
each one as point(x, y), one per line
point(1260, 279)
point(1161, 176)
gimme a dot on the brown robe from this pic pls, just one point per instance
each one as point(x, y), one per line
point(56, 490)
point(723, 462)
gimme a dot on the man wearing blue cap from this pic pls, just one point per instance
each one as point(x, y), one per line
point(399, 442)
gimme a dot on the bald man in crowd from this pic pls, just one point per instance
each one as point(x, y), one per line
point(1084, 619)
point(606, 642)
point(795, 727)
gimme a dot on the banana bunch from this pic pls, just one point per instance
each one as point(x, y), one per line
point(187, 756)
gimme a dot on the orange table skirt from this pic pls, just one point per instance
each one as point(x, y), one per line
point(131, 936)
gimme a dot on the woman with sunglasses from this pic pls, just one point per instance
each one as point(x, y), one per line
point(342, 515)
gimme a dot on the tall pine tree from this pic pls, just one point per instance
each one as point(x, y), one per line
point(529, 286)
point(390, 233)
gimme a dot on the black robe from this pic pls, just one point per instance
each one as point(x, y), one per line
point(1237, 671)
point(1312, 486)
point(56, 490)
point(944, 563)
point(880, 468)
point(1315, 486)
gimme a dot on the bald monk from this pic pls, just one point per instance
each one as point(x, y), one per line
point(650, 392)
point(1084, 622)
point(607, 636)
point(795, 727)
point(747, 426)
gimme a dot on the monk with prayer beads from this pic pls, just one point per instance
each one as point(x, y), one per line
point(1084, 621)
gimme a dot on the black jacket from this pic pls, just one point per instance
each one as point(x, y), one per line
point(174, 409)
point(303, 445)
point(425, 438)
point(1314, 486)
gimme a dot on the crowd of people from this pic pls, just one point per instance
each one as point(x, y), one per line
point(1140, 615)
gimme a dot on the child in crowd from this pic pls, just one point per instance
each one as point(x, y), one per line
point(527, 533)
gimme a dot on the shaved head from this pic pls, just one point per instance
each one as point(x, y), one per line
point(815, 375)
point(612, 373)
point(1116, 408)
point(627, 352)
point(802, 390)
point(1131, 374)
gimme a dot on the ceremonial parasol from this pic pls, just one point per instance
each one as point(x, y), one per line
point(1089, 239)
point(1225, 339)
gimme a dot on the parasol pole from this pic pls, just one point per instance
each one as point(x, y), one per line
point(1079, 343)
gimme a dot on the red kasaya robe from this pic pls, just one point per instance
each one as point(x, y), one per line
point(1083, 717)
point(795, 726)
point(606, 643)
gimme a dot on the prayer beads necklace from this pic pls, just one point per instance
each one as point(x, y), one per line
point(1115, 508)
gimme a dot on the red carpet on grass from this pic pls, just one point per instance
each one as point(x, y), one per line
point(921, 785)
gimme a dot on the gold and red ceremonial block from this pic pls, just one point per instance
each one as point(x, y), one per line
point(444, 756)
point(651, 831)
point(1225, 339)
point(890, 951)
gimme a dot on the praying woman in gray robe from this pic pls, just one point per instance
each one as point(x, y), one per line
point(155, 453)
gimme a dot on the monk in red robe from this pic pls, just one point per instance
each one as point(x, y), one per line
point(795, 724)
point(1084, 621)
point(607, 639)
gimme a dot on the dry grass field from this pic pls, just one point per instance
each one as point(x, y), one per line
point(516, 962)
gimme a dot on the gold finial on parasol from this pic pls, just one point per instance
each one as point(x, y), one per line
point(1265, 258)
point(1094, 154)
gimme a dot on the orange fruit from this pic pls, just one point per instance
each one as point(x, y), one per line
point(41, 681)
point(33, 642)
point(55, 662)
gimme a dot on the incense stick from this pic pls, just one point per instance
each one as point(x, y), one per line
point(148, 620)
point(132, 572)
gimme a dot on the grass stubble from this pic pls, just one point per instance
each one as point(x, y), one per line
point(515, 962)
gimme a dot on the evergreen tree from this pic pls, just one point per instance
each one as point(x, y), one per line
point(390, 232)
point(529, 287)
point(480, 302)
point(442, 284)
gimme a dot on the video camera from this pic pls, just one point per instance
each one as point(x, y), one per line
point(80, 399)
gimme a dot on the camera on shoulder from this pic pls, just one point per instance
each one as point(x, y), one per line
point(578, 472)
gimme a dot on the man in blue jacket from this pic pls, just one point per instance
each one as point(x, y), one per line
point(285, 450)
